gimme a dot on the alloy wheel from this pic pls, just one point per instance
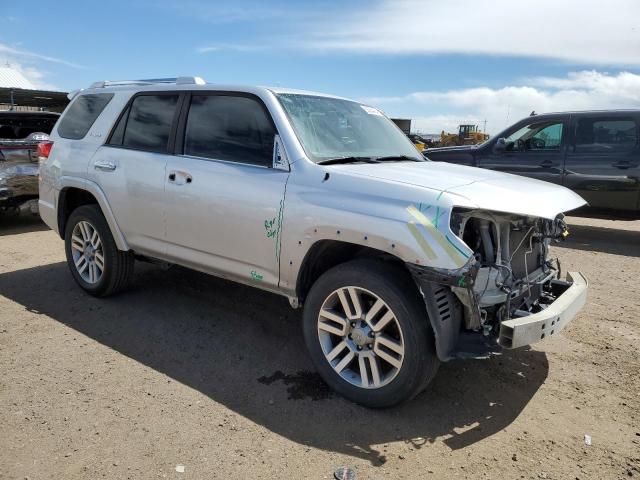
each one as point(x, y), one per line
point(360, 337)
point(87, 252)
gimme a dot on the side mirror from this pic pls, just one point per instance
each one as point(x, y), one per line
point(500, 145)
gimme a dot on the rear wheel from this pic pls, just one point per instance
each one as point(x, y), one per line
point(92, 255)
point(367, 330)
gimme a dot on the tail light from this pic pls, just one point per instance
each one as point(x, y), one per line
point(44, 150)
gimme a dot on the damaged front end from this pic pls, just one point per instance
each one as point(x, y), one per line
point(509, 294)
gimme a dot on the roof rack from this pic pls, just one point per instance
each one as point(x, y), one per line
point(150, 81)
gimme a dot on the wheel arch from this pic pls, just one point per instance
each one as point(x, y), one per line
point(77, 192)
point(325, 254)
point(442, 311)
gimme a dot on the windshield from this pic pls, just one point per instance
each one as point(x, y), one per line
point(330, 128)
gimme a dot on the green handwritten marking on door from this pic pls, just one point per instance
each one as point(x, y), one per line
point(273, 227)
point(255, 275)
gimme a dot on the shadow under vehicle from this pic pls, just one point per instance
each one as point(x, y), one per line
point(594, 153)
point(242, 348)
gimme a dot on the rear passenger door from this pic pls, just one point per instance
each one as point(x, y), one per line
point(130, 168)
point(603, 162)
point(224, 201)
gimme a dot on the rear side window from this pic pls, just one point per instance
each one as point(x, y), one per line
point(78, 119)
point(236, 129)
point(146, 123)
point(606, 135)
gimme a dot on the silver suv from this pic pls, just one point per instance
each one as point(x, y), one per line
point(399, 263)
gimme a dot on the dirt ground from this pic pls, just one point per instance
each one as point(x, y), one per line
point(188, 370)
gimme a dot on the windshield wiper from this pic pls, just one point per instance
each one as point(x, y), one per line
point(338, 160)
point(397, 158)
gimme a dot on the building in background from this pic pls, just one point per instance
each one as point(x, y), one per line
point(17, 93)
point(27, 116)
point(403, 124)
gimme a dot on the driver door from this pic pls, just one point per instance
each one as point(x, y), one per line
point(224, 197)
point(536, 149)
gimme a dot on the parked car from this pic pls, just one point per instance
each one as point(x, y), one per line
point(595, 153)
point(20, 134)
point(399, 263)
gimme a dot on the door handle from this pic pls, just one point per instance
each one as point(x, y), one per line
point(180, 178)
point(623, 164)
point(104, 166)
point(546, 164)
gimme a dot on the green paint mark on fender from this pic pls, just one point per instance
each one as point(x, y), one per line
point(255, 275)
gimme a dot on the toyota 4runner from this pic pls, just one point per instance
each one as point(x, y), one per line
point(399, 263)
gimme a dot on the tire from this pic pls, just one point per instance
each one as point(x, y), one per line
point(404, 370)
point(117, 266)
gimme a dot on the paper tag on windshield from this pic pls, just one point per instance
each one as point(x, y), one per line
point(371, 110)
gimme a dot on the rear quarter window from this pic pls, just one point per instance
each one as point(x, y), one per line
point(81, 115)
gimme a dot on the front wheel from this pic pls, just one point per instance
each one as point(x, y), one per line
point(368, 333)
point(92, 255)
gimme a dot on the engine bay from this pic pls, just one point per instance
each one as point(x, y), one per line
point(513, 270)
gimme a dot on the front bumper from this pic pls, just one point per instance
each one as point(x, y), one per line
point(518, 332)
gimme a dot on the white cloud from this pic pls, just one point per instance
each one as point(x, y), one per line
point(27, 55)
point(35, 75)
point(32, 65)
point(580, 31)
point(501, 107)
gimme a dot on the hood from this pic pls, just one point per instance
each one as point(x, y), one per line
point(476, 187)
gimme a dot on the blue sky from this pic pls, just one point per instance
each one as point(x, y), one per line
point(440, 63)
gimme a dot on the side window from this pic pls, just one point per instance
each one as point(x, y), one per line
point(147, 124)
point(549, 138)
point(545, 136)
point(224, 127)
point(78, 119)
point(606, 135)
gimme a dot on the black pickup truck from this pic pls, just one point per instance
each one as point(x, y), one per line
point(20, 134)
point(594, 153)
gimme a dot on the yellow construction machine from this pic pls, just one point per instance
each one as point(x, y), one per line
point(467, 135)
